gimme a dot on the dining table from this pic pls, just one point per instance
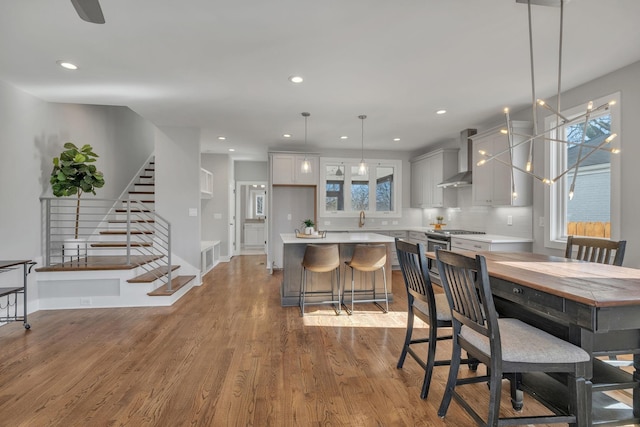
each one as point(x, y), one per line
point(593, 305)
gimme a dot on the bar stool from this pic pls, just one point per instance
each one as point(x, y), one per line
point(321, 259)
point(368, 258)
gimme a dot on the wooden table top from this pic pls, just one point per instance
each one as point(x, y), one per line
point(592, 284)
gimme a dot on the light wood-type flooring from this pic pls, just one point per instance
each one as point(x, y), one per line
point(226, 354)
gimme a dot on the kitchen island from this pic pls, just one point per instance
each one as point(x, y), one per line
point(294, 248)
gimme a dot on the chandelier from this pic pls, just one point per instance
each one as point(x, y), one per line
point(585, 150)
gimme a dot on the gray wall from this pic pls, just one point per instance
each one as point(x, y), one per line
point(33, 131)
point(215, 211)
point(251, 171)
point(178, 188)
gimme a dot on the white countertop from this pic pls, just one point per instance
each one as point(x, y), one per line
point(337, 237)
point(492, 238)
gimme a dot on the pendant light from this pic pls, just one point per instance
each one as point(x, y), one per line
point(362, 169)
point(306, 164)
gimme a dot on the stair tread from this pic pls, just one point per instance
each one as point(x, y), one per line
point(142, 192)
point(124, 221)
point(124, 232)
point(132, 210)
point(118, 244)
point(145, 183)
point(152, 275)
point(176, 284)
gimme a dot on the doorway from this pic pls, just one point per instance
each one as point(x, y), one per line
point(251, 218)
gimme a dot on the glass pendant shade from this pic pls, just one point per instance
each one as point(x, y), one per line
point(363, 169)
point(306, 164)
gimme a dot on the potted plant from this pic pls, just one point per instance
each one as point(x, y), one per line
point(308, 226)
point(73, 174)
point(440, 219)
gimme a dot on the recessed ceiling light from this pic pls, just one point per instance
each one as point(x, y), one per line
point(396, 139)
point(286, 135)
point(442, 111)
point(232, 149)
point(222, 138)
point(296, 79)
point(68, 65)
point(344, 137)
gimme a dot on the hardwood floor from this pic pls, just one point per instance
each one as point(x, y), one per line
point(226, 354)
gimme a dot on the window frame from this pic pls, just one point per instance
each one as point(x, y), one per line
point(347, 164)
point(556, 195)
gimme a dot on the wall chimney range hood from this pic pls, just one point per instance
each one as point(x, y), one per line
point(465, 158)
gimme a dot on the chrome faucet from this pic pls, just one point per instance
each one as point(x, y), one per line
point(361, 222)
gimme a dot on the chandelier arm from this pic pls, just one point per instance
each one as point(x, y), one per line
point(539, 178)
point(582, 140)
point(560, 55)
point(510, 142)
point(533, 84)
point(580, 160)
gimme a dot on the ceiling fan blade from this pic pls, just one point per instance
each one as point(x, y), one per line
point(89, 10)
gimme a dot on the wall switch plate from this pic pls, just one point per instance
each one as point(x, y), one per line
point(394, 222)
point(509, 220)
point(193, 211)
point(217, 216)
point(541, 221)
point(289, 217)
point(327, 223)
point(385, 222)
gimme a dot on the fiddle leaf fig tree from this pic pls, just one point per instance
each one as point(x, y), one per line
point(73, 174)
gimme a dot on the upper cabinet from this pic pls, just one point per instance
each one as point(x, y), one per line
point(495, 180)
point(429, 170)
point(286, 169)
point(206, 184)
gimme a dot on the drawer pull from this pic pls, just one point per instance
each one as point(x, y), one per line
point(477, 246)
point(517, 291)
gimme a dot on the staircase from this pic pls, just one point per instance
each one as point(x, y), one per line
point(126, 236)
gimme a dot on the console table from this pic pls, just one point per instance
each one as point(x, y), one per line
point(9, 308)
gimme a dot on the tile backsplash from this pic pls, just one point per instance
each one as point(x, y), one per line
point(491, 220)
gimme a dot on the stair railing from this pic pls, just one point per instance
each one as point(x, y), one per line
point(110, 232)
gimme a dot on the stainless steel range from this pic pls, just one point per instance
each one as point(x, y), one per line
point(441, 239)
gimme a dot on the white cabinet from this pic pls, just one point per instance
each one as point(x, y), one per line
point(401, 234)
point(418, 237)
point(254, 234)
point(206, 184)
point(492, 181)
point(427, 172)
point(471, 244)
point(286, 169)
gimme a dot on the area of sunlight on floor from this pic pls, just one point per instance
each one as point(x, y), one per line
point(362, 317)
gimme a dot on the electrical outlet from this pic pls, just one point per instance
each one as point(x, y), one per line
point(384, 222)
point(509, 220)
point(541, 222)
point(289, 217)
point(327, 223)
point(85, 301)
point(394, 222)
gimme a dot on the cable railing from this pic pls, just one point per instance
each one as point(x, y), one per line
point(90, 233)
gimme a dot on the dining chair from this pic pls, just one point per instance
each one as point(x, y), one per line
point(506, 346)
point(594, 249)
point(367, 258)
point(425, 304)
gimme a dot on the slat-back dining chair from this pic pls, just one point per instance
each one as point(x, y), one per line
point(506, 346)
point(594, 249)
point(423, 303)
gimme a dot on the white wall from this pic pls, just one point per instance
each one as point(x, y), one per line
point(251, 171)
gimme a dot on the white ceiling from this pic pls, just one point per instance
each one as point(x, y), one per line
point(223, 65)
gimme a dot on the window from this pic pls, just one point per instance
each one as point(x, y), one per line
point(592, 211)
point(346, 193)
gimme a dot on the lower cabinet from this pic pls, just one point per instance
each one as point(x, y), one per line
point(394, 255)
point(475, 245)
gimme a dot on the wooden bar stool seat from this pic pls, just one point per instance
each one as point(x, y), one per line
point(321, 259)
point(368, 259)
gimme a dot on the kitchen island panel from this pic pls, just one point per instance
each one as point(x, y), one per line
point(293, 253)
